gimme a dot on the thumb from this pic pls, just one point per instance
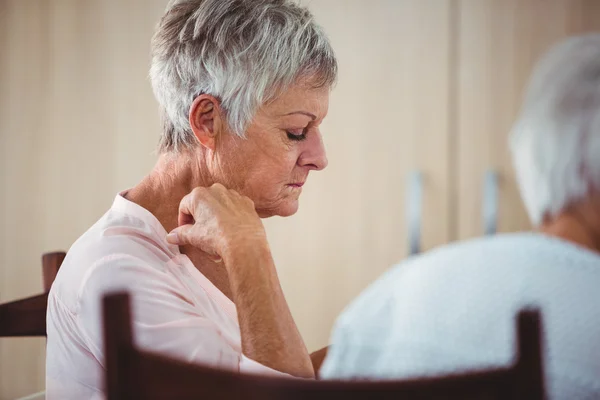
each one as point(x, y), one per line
point(180, 235)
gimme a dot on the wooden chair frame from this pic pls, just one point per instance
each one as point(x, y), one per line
point(134, 373)
point(27, 317)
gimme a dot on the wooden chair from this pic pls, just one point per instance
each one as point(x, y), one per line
point(27, 317)
point(51, 262)
point(134, 373)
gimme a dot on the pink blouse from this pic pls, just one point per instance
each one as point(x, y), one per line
point(176, 310)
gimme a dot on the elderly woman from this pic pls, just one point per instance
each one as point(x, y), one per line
point(453, 308)
point(243, 86)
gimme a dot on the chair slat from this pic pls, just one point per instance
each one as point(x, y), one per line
point(51, 263)
point(25, 317)
point(135, 373)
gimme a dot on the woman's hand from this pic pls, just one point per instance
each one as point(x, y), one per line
point(217, 220)
point(224, 224)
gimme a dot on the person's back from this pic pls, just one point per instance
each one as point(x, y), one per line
point(454, 309)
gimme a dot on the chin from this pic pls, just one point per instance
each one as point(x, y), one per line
point(286, 209)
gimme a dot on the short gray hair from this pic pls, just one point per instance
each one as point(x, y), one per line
point(243, 52)
point(556, 140)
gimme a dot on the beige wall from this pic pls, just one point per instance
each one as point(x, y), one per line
point(498, 42)
point(351, 224)
point(78, 123)
point(428, 85)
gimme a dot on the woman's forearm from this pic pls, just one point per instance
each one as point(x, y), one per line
point(269, 333)
point(224, 224)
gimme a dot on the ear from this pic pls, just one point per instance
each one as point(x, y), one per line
point(206, 120)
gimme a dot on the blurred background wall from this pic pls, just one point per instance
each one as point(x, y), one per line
point(425, 85)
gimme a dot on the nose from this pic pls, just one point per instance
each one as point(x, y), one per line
point(314, 155)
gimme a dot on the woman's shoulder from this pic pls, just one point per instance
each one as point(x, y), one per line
point(115, 253)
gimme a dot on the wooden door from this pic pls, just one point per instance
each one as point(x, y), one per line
point(499, 42)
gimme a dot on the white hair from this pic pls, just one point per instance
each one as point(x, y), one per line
point(555, 142)
point(242, 52)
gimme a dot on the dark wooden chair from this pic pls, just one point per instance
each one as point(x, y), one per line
point(134, 373)
point(27, 317)
point(51, 263)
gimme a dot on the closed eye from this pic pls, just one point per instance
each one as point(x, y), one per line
point(298, 137)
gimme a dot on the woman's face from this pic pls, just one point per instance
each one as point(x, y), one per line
point(283, 144)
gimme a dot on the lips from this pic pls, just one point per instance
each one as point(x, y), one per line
point(297, 185)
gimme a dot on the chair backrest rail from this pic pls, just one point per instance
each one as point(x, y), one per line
point(132, 372)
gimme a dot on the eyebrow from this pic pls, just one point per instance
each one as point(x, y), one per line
point(312, 116)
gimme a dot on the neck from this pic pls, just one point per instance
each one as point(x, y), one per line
point(579, 224)
point(173, 177)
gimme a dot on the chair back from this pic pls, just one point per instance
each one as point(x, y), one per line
point(51, 263)
point(134, 373)
point(27, 317)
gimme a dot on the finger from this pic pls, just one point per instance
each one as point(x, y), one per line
point(248, 201)
point(220, 193)
point(184, 211)
point(184, 235)
point(179, 236)
point(218, 187)
point(234, 194)
point(188, 208)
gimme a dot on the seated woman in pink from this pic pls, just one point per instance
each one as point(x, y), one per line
point(243, 86)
